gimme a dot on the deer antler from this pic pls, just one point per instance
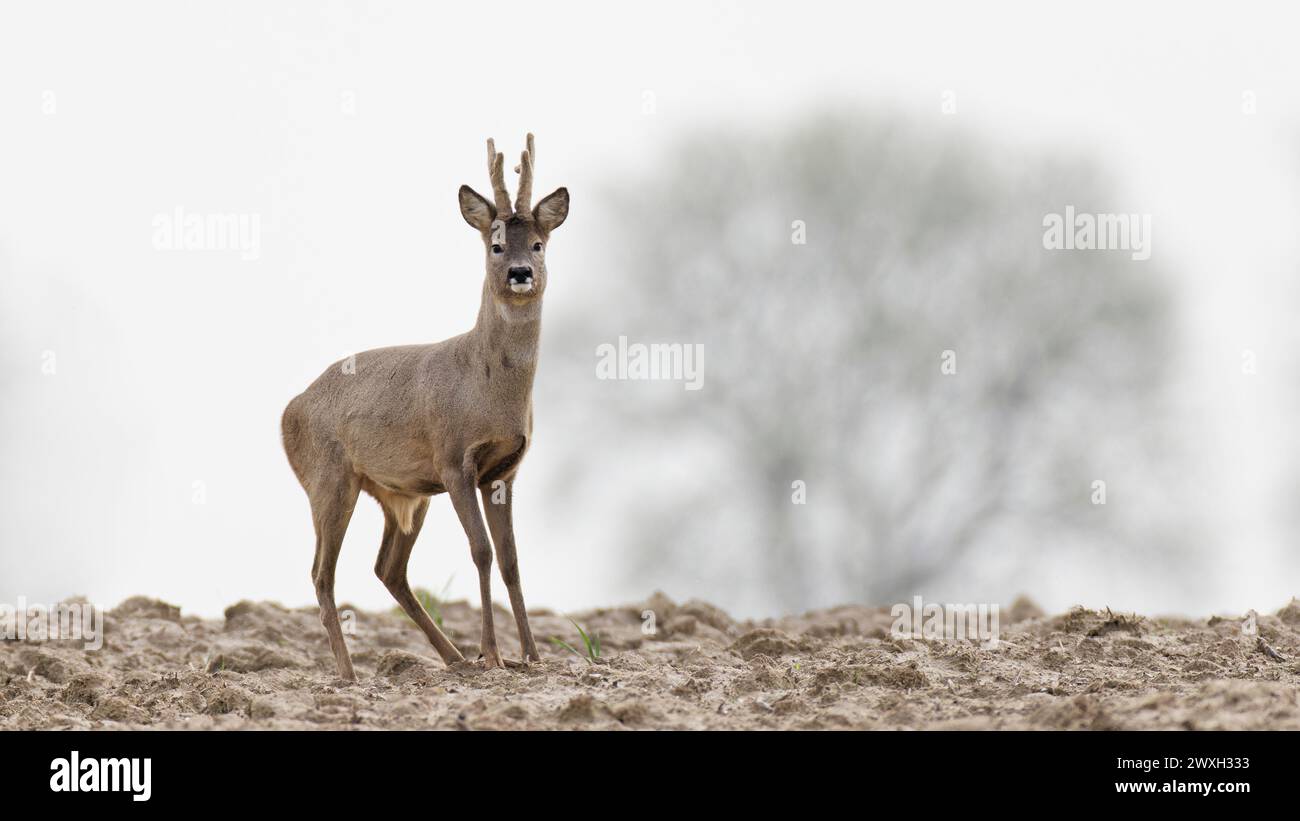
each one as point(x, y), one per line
point(524, 198)
point(496, 170)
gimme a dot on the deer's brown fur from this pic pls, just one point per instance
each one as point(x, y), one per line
point(407, 423)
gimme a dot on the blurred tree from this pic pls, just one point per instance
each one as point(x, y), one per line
point(880, 321)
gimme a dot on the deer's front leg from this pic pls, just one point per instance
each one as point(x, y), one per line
point(460, 487)
point(498, 507)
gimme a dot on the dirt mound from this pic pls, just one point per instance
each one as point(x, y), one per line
point(662, 665)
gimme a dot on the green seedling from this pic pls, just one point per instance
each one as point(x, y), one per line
point(590, 642)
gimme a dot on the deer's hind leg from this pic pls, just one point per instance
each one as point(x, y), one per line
point(333, 497)
point(394, 555)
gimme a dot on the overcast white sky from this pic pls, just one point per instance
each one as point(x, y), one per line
point(172, 367)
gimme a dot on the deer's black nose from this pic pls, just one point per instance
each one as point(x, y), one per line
point(520, 273)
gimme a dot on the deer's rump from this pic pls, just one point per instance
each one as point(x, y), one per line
point(367, 415)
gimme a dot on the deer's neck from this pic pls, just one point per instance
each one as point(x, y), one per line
point(506, 336)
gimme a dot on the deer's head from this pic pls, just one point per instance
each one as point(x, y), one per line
point(514, 239)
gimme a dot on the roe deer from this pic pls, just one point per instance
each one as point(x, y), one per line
point(411, 422)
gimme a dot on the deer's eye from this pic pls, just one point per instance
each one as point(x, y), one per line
point(497, 249)
point(537, 247)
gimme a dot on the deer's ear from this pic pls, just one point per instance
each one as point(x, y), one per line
point(477, 211)
point(551, 212)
